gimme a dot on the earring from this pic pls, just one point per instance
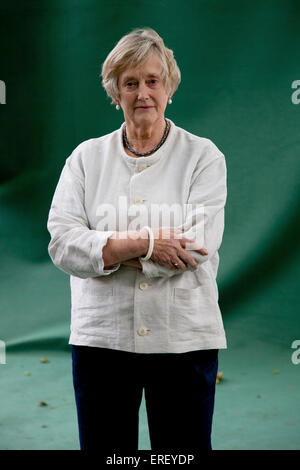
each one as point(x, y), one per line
point(169, 101)
point(117, 107)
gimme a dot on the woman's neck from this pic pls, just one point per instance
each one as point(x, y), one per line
point(144, 138)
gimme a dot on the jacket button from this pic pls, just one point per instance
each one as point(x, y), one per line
point(142, 167)
point(143, 285)
point(142, 331)
point(138, 200)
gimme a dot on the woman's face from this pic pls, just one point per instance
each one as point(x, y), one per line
point(142, 93)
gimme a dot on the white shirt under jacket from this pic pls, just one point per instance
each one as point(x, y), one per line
point(156, 309)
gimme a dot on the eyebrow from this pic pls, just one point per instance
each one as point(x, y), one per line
point(131, 77)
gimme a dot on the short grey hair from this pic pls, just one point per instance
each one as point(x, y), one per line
point(131, 51)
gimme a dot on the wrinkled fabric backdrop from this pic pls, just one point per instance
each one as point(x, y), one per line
point(239, 62)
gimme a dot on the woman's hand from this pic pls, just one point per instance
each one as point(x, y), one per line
point(169, 248)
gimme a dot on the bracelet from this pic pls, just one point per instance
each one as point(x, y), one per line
point(151, 244)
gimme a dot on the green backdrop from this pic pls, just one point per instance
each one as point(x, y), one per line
point(238, 61)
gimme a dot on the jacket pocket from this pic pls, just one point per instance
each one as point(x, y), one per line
point(181, 293)
point(192, 311)
point(93, 313)
point(91, 292)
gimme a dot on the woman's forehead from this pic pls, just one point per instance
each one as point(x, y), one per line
point(150, 68)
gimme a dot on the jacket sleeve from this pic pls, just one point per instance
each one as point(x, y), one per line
point(74, 247)
point(205, 221)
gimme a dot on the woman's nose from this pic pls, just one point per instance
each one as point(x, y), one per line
point(143, 92)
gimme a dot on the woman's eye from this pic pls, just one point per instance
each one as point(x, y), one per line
point(153, 81)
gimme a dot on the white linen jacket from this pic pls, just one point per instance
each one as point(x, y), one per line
point(156, 309)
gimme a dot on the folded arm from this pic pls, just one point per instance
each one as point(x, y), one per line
point(77, 250)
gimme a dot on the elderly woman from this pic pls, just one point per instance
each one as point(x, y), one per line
point(145, 314)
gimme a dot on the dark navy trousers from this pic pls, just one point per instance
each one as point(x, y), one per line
point(179, 395)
